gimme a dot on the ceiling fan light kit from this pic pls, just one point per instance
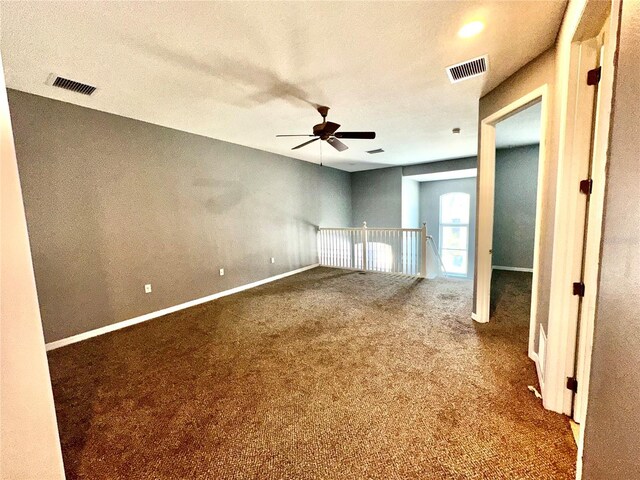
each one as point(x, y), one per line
point(327, 131)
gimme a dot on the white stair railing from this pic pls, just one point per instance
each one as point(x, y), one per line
point(402, 251)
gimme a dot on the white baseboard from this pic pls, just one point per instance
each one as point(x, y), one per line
point(512, 269)
point(149, 316)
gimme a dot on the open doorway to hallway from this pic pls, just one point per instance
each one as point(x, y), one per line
point(517, 159)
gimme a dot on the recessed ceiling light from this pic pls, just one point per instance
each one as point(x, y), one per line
point(471, 29)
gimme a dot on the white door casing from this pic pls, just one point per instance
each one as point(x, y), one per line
point(486, 180)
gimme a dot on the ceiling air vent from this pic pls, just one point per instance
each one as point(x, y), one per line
point(377, 150)
point(469, 69)
point(71, 85)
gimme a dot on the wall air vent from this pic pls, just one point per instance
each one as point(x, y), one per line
point(72, 85)
point(469, 69)
point(377, 150)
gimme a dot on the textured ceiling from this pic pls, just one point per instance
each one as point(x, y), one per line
point(243, 72)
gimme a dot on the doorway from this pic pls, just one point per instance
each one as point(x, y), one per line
point(517, 158)
point(486, 192)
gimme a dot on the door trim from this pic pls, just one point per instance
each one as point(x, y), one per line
point(486, 180)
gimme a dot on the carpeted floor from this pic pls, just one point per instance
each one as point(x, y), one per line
point(327, 374)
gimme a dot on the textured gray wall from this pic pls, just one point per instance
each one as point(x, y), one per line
point(376, 197)
point(514, 218)
point(114, 203)
point(612, 439)
point(430, 209)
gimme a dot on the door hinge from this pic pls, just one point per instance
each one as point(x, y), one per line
point(593, 76)
point(578, 289)
point(586, 186)
point(572, 384)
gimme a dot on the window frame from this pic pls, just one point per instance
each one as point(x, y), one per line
point(442, 225)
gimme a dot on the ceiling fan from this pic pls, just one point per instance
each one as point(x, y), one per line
point(327, 131)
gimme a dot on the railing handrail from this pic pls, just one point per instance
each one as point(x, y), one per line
point(373, 228)
point(348, 247)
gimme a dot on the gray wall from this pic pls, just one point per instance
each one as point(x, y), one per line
point(376, 197)
point(388, 197)
point(430, 208)
point(514, 219)
point(114, 203)
point(612, 438)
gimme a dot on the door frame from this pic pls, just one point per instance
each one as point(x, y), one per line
point(486, 193)
point(568, 255)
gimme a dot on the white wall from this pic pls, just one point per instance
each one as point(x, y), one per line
point(29, 443)
point(410, 203)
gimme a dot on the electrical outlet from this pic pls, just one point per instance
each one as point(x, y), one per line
point(273, 260)
point(221, 271)
point(147, 288)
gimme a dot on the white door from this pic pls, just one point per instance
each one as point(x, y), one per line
point(592, 236)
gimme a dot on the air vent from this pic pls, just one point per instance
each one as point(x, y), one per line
point(472, 68)
point(71, 85)
point(373, 152)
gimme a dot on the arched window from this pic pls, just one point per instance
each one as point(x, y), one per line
point(454, 232)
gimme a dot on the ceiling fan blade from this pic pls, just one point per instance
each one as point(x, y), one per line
point(305, 143)
point(330, 128)
point(295, 135)
point(362, 135)
point(337, 144)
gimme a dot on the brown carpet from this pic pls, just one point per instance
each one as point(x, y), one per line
point(327, 374)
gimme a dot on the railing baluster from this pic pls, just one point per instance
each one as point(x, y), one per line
point(398, 252)
point(327, 241)
point(415, 254)
point(389, 250)
point(412, 255)
point(416, 250)
point(324, 247)
point(395, 251)
point(353, 250)
point(335, 250)
point(408, 253)
point(387, 247)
